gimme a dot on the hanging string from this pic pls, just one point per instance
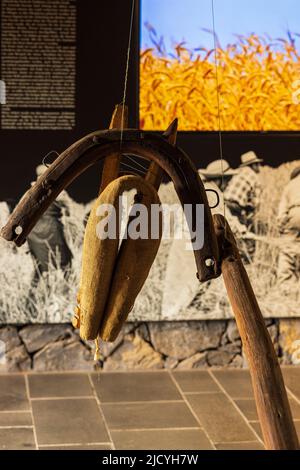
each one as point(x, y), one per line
point(135, 162)
point(218, 100)
point(130, 167)
point(127, 69)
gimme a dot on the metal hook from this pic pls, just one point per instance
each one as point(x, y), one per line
point(218, 197)
point(46, 156)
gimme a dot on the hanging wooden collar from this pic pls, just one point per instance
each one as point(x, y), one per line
point(111, 278)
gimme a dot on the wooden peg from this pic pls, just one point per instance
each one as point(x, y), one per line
point(111, 164)
point(272, 403)
point(155, 172)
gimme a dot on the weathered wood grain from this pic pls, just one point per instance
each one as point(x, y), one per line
point(100, 144)
point(270, 394)
point(111, 163)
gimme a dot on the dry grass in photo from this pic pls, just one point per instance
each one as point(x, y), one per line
point(55, 297)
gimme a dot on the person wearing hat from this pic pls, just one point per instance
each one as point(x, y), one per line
point(179, 276)
point(47, 242)
point(216, 177)
point(289, 228)
point(243, 192)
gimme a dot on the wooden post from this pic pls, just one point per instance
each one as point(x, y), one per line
point(155, 173)
point(111, 164)
point(270, 394)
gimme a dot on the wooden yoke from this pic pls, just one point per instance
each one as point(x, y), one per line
point(131, 265)
point(111, 164)
point(270, 394)
point(102, 144)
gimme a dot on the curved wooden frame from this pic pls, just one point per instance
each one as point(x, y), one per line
point(271, 398)
point(98, 145)
point(219, 249)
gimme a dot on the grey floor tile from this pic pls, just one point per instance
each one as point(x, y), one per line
point(292, 379)
point(22, 418)
point(255, 445)
point(13, 396)
point(141, 386)
point(69, 421)
point(17, 439)
point(79, 447)
point(161, 439)
point(195, 381)
point(248, 408)
point(219, 418)
point(237, 383)
point(148, 416)
point(59, 385)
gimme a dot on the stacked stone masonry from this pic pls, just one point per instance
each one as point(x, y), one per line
point(152, 345)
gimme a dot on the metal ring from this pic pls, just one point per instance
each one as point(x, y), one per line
point(46, 156)
point(218, 197)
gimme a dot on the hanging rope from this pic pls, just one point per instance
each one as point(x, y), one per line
point(218, 100)
point(127, 69)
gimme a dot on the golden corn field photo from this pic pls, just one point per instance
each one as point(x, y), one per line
point(254, 83)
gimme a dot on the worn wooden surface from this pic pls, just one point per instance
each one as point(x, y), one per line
point(155, 173)
point(133, 262)
point(135, 257)
point(270, 394)
point(92, 148)
point(111, 163)
point(111, 279)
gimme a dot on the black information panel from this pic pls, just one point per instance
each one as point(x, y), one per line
point(38, 64)
point(62, 71)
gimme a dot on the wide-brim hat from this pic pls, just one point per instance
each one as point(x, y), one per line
point(249, 158)
point(217, 169)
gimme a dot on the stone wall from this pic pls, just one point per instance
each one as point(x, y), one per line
point(152, 345)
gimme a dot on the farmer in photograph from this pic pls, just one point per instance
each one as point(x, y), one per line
point(289, 227)
point(243, 192)
point(47, 242)
point(216, 177)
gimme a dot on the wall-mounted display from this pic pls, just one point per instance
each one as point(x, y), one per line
point(248, 51)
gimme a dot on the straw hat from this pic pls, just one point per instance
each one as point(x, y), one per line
point(295, 172)
point(218, 168)
point(249, 158)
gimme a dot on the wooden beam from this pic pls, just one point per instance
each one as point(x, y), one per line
point(111, 164)
point(155, 173)
point(269, 391)
point(99, 145)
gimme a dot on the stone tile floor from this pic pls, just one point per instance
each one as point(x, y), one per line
point(199, 409)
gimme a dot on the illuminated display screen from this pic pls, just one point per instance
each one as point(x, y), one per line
point(252, 57)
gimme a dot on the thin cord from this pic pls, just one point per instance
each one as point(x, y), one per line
point(132, 168)
point(218, 101)
point(136, 162)
point(136, 156)
point(127, 70)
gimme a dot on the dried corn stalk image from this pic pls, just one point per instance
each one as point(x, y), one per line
point(256, 85)
point(215, 64)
